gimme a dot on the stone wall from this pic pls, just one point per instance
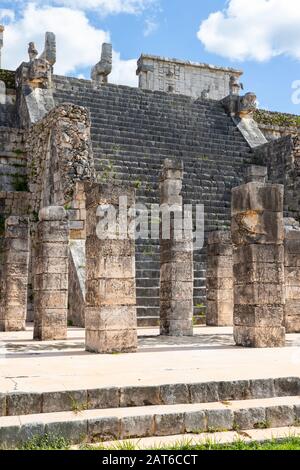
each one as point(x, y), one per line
point(59, 154)
point(282, 158)
point(13, 161)
point(185, 78)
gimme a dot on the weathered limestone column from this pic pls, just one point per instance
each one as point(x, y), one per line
point(51, 275)
point(176, 257)
point(219, 279)
point(258, 233)
point(14, 280)
point(292, 279)
point(110, 315)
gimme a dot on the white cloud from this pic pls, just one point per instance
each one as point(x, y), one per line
point(256, 30)
point(78, 42)
point(150, 27)
point(7, 14)
point(105, 7)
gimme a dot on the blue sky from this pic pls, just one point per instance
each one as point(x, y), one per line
point(261, 37)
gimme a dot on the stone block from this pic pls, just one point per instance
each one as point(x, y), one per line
point(173, 394)
point(259, 337)
point(287, 387)
point(168, 424)
point(140, 396)
point(258, 315)
point(257, 227)
point(256, 196)
point(195, 422)
point(103, 398)
point(233, 390)
point(219, 420)
point(110, 292)
point(219, 313)
point(263, 273)
point(23, 404)
point(249, 418)
point(206, 392)
point(110, 317)
point(75, 431)
point(2, 404)
point(280, 416)
point(74, 400)
point(258, 253)
point(259, 294)
point(103, 429)
point(262, 388)
point(106, 342)
point(170, 327)
point(137, 426)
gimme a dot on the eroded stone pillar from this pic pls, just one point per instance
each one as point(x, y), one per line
point(258, 233)
point(14, 280)
point(292, 280)
point(110, 315)
point(51, 275)
point(176, 256)
point(219, 279)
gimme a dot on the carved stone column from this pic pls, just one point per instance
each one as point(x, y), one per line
point(219, 279)
point(258, 233)
point(51, 275)
point(110, 315)
point(14, 282)
point(176, 257)
point(292, 280)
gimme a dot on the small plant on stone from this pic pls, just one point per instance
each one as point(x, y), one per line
point(137, 184)
point(46, 442)
point(76, 406)
point(262, 425)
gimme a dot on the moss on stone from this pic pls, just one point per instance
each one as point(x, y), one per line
point(271, 118)
point(8, 77)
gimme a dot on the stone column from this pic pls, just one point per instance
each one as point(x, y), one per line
point(110, 315)
point(219, 279)
point(292, 280)
point(176, 257)
point(14, 281)
point(258, 233)
point(51, 275)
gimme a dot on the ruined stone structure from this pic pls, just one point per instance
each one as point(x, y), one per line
point(219, 279)
point(258, 234)
point(176, 256)
point(292, 276)
point(59, 133)
point(110, 313)
point(51, 275)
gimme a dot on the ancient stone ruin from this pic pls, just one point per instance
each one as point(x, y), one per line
point(69, 146)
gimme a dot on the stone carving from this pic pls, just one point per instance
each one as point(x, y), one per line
point(176, 257)
point(51, 275)
point(219, 279)
point(14, 282)
point(235, 86)
point(101, 70)
point(248, 104)
point(34, 83)
point(32, 51)
point(258, 234)
point(110, 314)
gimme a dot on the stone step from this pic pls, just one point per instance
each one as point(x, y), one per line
point(204, 439)
point(24, 403)
point(154, 420)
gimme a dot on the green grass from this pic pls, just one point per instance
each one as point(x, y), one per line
point(49, 442)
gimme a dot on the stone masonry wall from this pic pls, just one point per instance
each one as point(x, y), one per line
point(282, 158)
point(59, 155)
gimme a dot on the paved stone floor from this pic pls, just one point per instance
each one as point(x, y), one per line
point(27, 365)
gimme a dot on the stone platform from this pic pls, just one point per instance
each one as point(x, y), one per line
point(171, 386)
point(210, 355)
